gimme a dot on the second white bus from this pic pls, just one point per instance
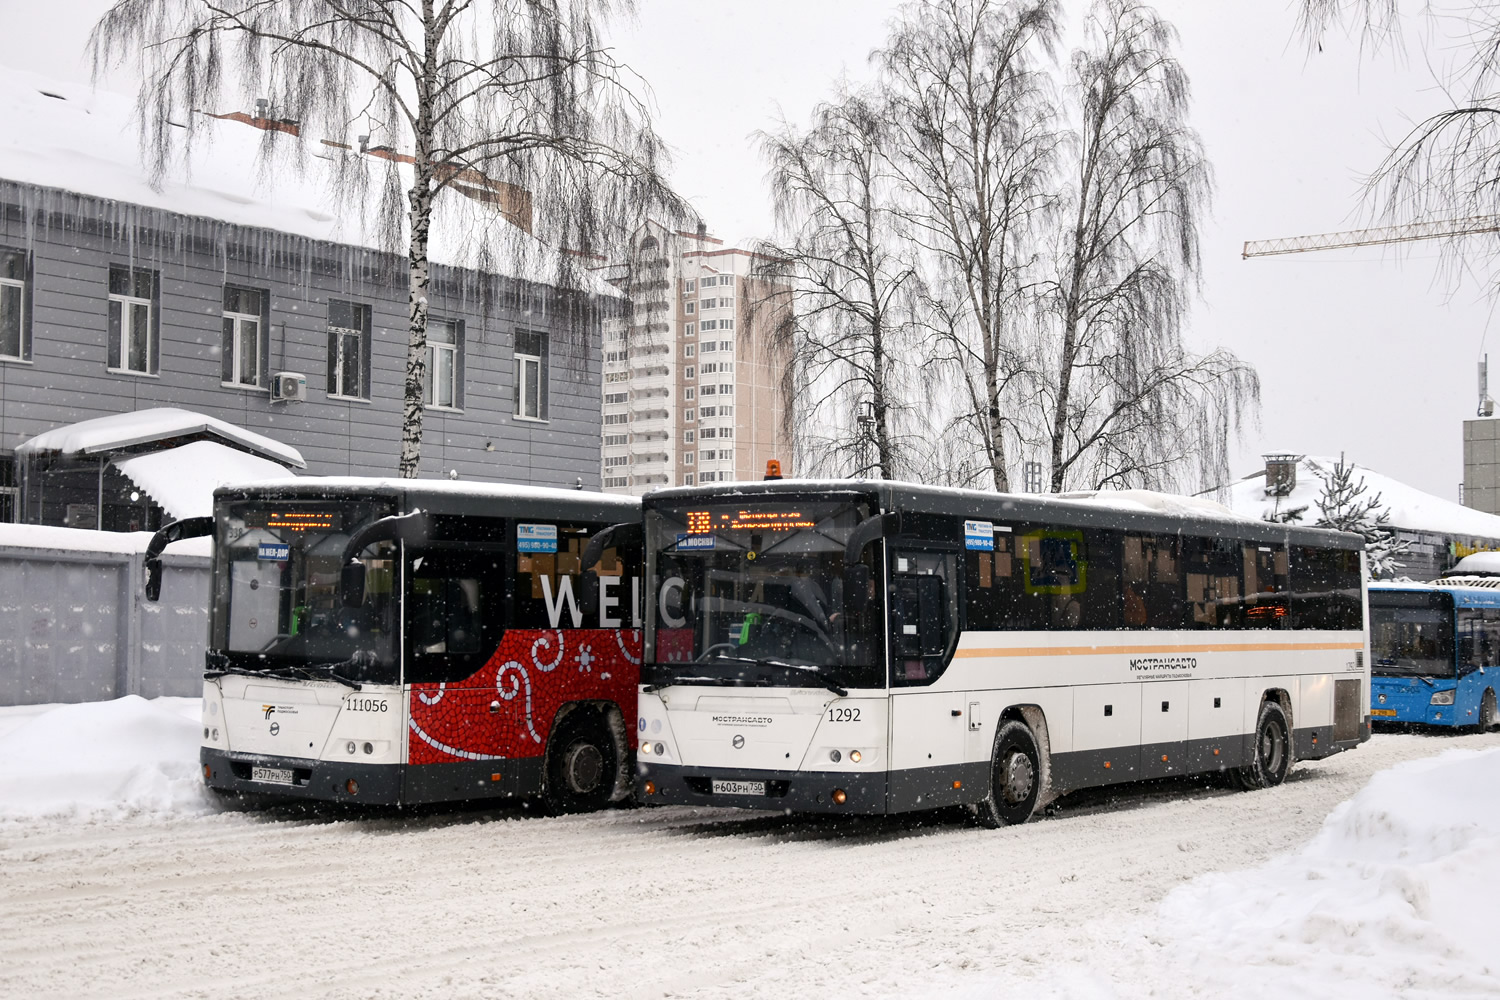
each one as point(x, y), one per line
point(884, 647)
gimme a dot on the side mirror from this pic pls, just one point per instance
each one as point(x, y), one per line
point(191, 527)
point(857, 587)
point(352, 584)
point(153, 579)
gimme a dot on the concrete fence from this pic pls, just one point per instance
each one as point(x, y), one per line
point(76, 626)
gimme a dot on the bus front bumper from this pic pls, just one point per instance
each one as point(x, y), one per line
point(1411, 702)
point(313, 780)
point(787, 791)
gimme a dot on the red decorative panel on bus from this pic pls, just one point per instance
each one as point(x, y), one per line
point(532, 674)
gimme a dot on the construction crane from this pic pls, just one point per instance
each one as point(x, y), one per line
point(1408, 233)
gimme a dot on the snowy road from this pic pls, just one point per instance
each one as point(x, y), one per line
point(632, 903)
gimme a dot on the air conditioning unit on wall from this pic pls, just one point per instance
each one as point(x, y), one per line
point(288, 387)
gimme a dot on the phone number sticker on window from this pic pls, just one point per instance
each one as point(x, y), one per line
point(536, 538)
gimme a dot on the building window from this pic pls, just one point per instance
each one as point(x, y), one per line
point(689, 285)
point(443, 382)
point(244, 350)
point(616, 397)
point(615, 461)
point(707, 477)
point(688, 416)
point(531, 375)
point(687, 458)
point(15, 345)
point(726, 432)
point(688, 350)
point(726, 345)
point(689, 372)
point(612, 419)
point(687, 480)
point(614, 482)
point(708, 324)
point(133, 293)
point(687, 393)
point(687, 329)
point(610, 440)
point(348, 349)
point(687, 437)
point(689, 307)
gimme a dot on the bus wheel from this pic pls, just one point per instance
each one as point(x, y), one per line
point(581, 764)
point(1271, 757)
point(1489, 719)
point(1015, 778)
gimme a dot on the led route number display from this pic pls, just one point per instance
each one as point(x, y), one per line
point(701, 522)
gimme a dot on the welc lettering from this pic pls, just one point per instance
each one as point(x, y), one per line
point(609, 602)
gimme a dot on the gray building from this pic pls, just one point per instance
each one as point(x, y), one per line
point(1482, 464)
point(109, 305)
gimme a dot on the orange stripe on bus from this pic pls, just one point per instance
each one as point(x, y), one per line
point(1214, 647)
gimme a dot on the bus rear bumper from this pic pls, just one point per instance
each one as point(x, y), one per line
point(788, 791)
point(314, 780)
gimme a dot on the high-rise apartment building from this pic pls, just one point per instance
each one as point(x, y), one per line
point(693, 372)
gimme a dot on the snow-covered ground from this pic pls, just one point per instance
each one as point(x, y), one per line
point(1375, 873)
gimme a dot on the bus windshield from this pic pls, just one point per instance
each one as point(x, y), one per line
point(1411, 642)
point(759, 593)
point(277, 591)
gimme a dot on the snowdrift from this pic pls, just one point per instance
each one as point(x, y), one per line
point(103, 759)
point(1398, 895)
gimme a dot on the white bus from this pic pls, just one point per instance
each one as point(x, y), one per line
point(885, 647)
point(405, 641)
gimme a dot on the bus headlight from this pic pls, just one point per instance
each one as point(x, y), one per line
point(646, 747)
point(1443, 697)
point(856, 756)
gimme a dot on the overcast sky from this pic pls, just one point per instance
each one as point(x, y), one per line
point(1366, 351)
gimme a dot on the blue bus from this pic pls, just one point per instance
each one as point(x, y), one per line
point(1435, 652)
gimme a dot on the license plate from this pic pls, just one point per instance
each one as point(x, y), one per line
point(739, 787)
point(275, 775)
point(1382, 711)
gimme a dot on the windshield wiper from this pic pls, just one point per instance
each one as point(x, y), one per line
point(304, 671)
point(799, 667)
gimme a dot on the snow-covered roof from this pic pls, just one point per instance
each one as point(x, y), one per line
point(182, 480)
point(1157, 503)
point(70, 137)
point(448, 487)
point(117, 431)
point(1410, 508)
point(1478, 564)
point(86, 540)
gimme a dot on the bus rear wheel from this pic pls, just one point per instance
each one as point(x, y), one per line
point(1489, 718)
point(1015, 778)
point(581, 764)
point(1271, 756)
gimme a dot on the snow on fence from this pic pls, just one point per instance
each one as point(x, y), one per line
point(76, 626)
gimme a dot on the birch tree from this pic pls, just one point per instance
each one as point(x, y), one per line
point(515, 103)
point(975, 128)
point(849, 330)
point(1446, 166)
point(1125, 404)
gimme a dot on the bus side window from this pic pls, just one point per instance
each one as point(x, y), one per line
point(1151, 584)
point(1265, 586)
point(1325, 589)
point(549, 584)
point(1478, 634)
point(453, 619)
point(923, 613)
point(1214, 571)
